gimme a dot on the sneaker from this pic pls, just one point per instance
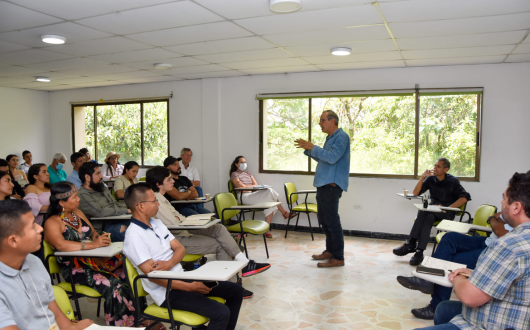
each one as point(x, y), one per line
point(416, 259)
point(247, 294)
point(417, 284)
point(425, 313)
point(254, 268)
point(404, 249)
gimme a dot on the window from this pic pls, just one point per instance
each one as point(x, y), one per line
point(137, 130)
point(391, 134)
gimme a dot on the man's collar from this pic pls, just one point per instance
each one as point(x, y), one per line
point(338, 129)
point(8, 271)
point(141, 224)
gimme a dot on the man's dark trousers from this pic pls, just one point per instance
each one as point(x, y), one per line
point(421, 230)
point(328, 216)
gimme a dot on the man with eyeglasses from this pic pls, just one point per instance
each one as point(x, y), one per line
point(331, 179)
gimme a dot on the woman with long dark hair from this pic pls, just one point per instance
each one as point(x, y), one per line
point(241, 178)
point(16, 174)
point(130, 171)
point(6, 186)
point(38, 190)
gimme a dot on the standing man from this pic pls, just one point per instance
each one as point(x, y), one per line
point(57, 174)
point(77, 159)
point(26, 155)
point(331, 178)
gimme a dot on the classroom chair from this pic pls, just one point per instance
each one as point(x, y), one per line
point(62, 300)
point(291, 194)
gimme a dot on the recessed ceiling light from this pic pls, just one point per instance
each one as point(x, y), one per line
point(162, 66)
point(53, 39)
point(341, 51)
point(43, 79)
point(285, 6)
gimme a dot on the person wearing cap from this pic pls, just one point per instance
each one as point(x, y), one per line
point(112, 167)
point(183, 189)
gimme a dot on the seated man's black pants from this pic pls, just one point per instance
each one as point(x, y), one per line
point(421, 231)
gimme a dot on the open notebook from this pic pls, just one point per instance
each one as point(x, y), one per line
point(102, 327)
point(197, 219)
point(441, 264)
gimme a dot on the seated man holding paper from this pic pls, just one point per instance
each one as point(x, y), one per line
point(445, 190)
point(26, 294)
point(150, 246)
point(496, 294)
point(456, 248)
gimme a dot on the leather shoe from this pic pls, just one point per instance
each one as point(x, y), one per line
point(404, 249)
point(331, 263)
point(323, 256)
point(416, 259)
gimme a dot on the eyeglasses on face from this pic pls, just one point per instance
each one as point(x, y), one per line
point(140, 202)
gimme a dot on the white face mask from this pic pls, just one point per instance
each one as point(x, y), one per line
point(243, 166)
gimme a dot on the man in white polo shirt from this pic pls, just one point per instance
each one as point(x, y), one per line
point(150, 246)
point(188, 171)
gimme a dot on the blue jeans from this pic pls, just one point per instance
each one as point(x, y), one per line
point(445, 313)
point(193, 209)
point(116, 235)
point(328, 216)
point(461, 249)
point(199, 191)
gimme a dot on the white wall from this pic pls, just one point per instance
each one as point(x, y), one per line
point(25, 124)
point(218, 119)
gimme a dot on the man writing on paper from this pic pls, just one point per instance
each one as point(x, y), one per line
point(331, 179)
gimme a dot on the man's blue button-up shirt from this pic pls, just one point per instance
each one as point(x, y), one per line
point(333, 160)
point(74, 178)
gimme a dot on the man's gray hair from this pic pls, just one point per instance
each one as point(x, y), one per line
point(59, 156)
point(333, 115)
point(184, 150)
point(447, 163)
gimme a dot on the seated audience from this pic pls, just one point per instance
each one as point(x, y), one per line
point(38, 190)
point(97, 201)
point(57, 174)
point(28, 158)
point(150, 246)
point(241, 178)
point(88, 158)
point(16, 174)
point(16, 192)
point(458, 248)
point(189, 171)
point(6, 186)
point(445, 190)
point(183, 189)
point(130, 171)
point(112, 168)
point(77, 159)
point(68, 229)
point(26, 294)
point(496, 294)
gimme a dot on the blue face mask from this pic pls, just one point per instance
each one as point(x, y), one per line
point(59, 166)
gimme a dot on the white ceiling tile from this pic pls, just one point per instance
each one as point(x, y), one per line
point(100, 84)
point(362, 65)
point(221, 46)
point(99, 70)
point(356, 47)
point(175, 62)
point(55, 88)
point(14, 80)
point(527, 40)
point(248, 55)
point(33, 84)
point(80, 80)
point(265, 63)
point(77, 9)
point(150, 79)
point(13, 17)
point(73, 33)
point(10, 47)
point(71, 63)
point(52, 75)
point(217, 74)
point(427, 10)
point(522, 49)
point(284, 69)
point(191, 34)
point(135, 56)
point(461, 26)
point(466, 40)
point(518, 58)
point(127, 75)
point(194, 69)
point(364, 57)
point(152, 18)
point(313, 20)
point(99, 46)
point(11, 71)
point(457, 52)
point(30, 56)
point(456, 61)
point(377, 32)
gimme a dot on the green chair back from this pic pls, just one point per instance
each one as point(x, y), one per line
point(142, 179)
point(223, 201)
point(289, 189)
point(481, 216)
point(114, 195)
point(61, 298)
point(231, 188)
point(53, 265)
point(131, 275)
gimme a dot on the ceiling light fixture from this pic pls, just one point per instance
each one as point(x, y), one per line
point(43, 79)
point(341, 51)
point(53, 39)
point(285, 6)
point(162, 66)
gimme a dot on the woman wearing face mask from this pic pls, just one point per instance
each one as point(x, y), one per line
point(38, 191)
point(130, 171)
point(112, 169)
point(241, 178)
point(6, 186)
point(16, 174)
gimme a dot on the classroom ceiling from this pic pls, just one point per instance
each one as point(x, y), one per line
point(117, 42)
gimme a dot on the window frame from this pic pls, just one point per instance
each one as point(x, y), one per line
point(417, 94)
point(141, 102)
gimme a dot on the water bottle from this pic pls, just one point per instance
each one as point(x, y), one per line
point(425, 202)
point(196, 264)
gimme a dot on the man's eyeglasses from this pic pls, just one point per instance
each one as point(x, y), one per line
point(323, 120)
point(155, 201)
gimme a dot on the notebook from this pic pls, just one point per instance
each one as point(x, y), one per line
point(197, 219)
point(441, 264)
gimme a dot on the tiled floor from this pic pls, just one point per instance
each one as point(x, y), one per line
point(295, 294)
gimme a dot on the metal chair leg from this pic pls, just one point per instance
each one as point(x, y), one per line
point(297, 218)
point(310, 228)
point(99, 306)
point(266, 249)
point(244, 243)
point(288, 222)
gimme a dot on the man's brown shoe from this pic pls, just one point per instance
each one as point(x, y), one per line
point(331, 263)
point(323, 256)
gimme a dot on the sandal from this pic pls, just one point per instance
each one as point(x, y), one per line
point(268, 235)
point(289, 215)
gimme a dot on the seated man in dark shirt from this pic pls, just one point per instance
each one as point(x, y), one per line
point(183, 190)
point(445, 190)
